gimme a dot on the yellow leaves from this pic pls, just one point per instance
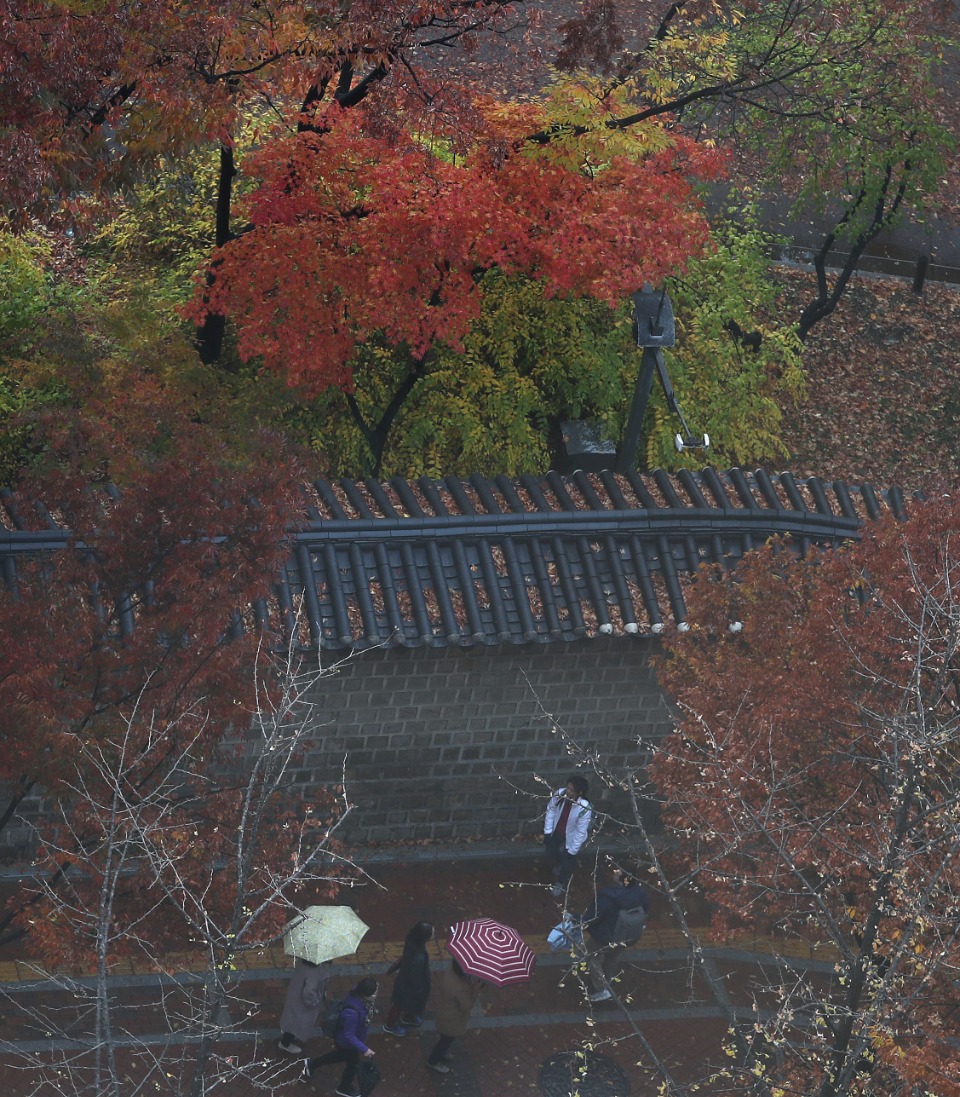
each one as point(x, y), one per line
point(685, 59)
point(581, 111)
point(513, 119)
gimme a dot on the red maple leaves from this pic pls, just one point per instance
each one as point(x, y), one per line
point(813, 776)
point(354, 233)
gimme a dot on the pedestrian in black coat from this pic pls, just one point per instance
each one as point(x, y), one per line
point(601, 920)
point(411, 988)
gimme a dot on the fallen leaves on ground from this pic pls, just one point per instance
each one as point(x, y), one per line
point(883, 386)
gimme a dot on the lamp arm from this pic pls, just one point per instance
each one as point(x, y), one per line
point(671, 398)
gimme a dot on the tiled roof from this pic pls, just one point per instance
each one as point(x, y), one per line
point(539, 559)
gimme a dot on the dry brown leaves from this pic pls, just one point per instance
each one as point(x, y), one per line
point(883, 386)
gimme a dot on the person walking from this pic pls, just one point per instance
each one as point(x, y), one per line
point(566, 825)
point(411, 988)
point(614, 920)
point(456, 993)
point(305, 994)
point(350, 1040)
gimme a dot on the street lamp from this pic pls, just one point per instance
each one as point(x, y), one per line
point(656, 329)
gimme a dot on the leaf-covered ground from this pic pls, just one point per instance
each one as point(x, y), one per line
point(883, 373)
point(883, 386)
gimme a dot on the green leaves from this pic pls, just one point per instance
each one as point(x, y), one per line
point(528, 362)
point(729, 388)
point(24, 283)
point(856, 105)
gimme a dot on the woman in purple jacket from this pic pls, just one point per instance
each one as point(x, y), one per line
point(351, 1038)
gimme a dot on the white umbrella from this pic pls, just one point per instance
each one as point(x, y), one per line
point(324, 933)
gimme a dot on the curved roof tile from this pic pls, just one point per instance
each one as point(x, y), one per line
point(534, 560)
point(542, 559)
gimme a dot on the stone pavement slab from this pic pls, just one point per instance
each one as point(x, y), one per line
point(514, 1030)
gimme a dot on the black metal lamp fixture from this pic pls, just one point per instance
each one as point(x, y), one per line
point(655, 329)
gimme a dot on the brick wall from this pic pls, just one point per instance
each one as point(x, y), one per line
point(449, 744)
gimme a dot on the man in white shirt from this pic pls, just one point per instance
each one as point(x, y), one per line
point(566, 825)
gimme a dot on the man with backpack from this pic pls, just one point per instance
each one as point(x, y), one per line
point(615, 920)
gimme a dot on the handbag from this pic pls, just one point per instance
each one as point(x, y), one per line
point(567, 935)
point(368, 1076)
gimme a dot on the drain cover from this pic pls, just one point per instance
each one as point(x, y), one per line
point(582, 1074)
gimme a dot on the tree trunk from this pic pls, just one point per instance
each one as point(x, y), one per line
point(376, 436)
point(214, 1002)
point(828, 298)
point(209, 335)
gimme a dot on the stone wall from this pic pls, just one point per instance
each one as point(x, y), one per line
point(455, 744)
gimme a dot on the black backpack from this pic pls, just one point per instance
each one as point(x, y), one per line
point(629, 926)
point(332, 1015)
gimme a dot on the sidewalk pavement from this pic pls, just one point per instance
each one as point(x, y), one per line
point(514, 1031)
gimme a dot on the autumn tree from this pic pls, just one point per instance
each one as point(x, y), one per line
point(89, 91)
point(530, 360)
point(177, 865)
point(166, 541)
point(143, 706)
point(827, 100)
point(103, 340)
point(390, 237)
point(808, 795)
point(833, 103)
point(810, 787)
point(93, 94)
point(774, 78)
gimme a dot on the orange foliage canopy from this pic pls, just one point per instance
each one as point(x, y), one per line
point(354, 233)
point(123, 667)
point(91, 91)
point(813, 779)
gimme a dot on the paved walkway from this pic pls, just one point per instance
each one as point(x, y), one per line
point(515, 1030)
point(895, 252)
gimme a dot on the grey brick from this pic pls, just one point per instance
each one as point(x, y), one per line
point(426, 732)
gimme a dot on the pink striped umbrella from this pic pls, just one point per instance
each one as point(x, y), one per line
point(491, 951)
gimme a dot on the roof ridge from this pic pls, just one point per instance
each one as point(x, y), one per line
point(533, 559)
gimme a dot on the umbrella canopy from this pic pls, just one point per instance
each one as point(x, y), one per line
point(323, 933)
point(491, 951)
